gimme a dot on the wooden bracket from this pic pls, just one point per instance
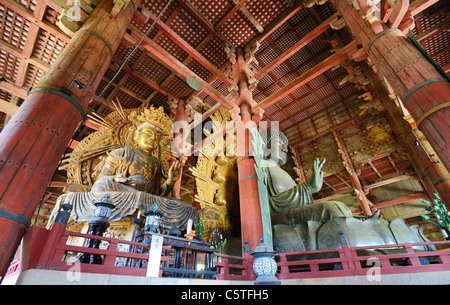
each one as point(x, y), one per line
point(398, 12)
point(257, 114)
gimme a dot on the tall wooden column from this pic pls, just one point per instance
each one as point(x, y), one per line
point(362, 199)
point(36, 137)
point(180, 115)
point(422, 89)
point(250, 209)
point(431, 170)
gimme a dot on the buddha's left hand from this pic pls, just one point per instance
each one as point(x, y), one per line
point(316, 180)
point(174, 172)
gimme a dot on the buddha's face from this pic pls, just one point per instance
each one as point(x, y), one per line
point(148, 139)
point(278, 150)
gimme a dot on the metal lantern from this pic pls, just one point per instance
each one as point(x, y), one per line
point(264, 265)
point(104, 209)
point(97, 226)
point(153, 219)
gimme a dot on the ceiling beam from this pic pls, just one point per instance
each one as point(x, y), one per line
point(7, 107)
point(183, 45)
point(295, 48)
point(420, 5)
point(320, 68)
point(388, 180)
point(230, 14)
point(275, 25)
point(401, 199)
point(169, 60)
point(199, 17)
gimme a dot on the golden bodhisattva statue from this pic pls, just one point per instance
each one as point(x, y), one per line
point(134, 175)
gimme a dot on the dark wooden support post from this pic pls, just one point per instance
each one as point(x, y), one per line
point(362, 199)
point(36, 137)
point(432, 172)
point(422, 89)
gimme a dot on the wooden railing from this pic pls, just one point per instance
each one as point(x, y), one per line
point(235, 268)
point(345, 261)
point(58, 255)
point(62, 256)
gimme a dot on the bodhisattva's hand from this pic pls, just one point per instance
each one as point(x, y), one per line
point(174, 172)
point(316, 180)
point(120, 178)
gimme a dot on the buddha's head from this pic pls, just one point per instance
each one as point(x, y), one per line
point(148, 137)
point(275, 146)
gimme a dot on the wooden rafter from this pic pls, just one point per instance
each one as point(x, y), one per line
point(177, 66)
point(179, 41)
point(296, 47)
point(307, 76)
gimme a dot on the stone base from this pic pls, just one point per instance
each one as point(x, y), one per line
point(51, 277)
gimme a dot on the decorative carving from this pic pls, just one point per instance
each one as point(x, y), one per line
point(337, 23)
point(250, 52)
point(231, 52)
point(216, 179)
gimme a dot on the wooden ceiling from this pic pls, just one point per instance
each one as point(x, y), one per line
point(293, 39)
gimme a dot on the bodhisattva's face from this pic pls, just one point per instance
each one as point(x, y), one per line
point(278, 150)
point(148, 139)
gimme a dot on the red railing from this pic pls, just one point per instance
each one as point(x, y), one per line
point(45, 249)
point(239, 269)
point(56, 256)
point(345, 261)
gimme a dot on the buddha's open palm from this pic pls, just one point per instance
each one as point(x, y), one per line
point(174, 172)
point(316, 180)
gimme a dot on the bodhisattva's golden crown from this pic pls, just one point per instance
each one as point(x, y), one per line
point(153, 116)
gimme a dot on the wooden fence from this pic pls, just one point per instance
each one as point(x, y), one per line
point(345, 261)
point(44, 249)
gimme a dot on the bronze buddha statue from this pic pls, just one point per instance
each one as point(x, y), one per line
point(299, 224)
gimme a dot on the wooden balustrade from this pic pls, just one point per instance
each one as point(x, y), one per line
point(239, 269)
point(56, 254)
point(345, 261)
point(119, 257)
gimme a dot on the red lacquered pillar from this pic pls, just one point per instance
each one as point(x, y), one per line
point(36, 137)
point(423, 90)
point(250, 208)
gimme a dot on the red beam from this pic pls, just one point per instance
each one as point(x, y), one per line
point(230, 14)
point(186, 47)
point(307, 76)
point(277, 24)
point(420, 5)
point(178, 67)
point(296, 47)
point(401, 200)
